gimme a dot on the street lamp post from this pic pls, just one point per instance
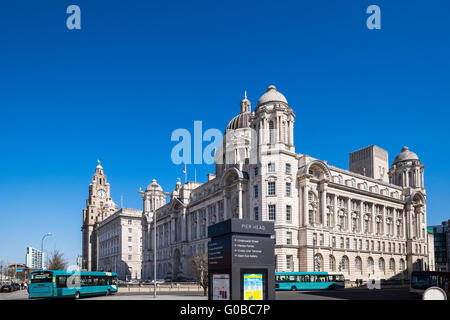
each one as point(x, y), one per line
point(42, 249)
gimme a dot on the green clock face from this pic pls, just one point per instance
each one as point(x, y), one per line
point(101, 194)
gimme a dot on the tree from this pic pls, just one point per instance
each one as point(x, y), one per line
point(57, 261)
point(198, 270)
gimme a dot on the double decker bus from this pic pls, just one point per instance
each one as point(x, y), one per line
point(422, 280)
point(308, 281)
point(71, 284)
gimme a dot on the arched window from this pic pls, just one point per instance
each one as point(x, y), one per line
point(318, 263)
point(381, 265)
point(402, 265)
point(370, 265)
point(358, 265)
point(344, 266)
point(392, 265)
point(332, 264)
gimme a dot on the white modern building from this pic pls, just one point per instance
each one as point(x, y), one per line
point(34, 258)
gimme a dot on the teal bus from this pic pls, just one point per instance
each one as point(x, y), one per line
point(308, 281)
point(71, 284)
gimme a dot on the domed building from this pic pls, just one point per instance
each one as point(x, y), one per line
point(367, 221)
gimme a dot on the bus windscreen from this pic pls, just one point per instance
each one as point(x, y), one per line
point(41, 276)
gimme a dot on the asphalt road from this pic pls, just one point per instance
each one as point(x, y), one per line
point(344, 294)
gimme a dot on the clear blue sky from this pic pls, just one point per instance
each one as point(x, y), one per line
point(137, 70)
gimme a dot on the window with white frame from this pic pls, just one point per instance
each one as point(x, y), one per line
point(271, 188)
point(272, 212)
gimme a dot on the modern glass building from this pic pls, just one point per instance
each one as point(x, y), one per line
point(442, 246)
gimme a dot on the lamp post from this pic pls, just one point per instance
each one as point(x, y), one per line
point(42, 249)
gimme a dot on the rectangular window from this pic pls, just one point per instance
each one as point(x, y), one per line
point(334, 242)
point(347, 243)
point(289, 262)
point(271, 188)
point(288, 168)
point(367, 245)
point(256, 171)
point(288, 237)
point(130, 230)
point(130, 249)
point(355, 244)
point(288, 189)
point(255, 191)
point(342, 243)
point(271, 167)
point(321, 239)
point(288, 213)
point(129, 257)
point(130, 239)
point(314, 239)
point(272, 212)
point(256, 213)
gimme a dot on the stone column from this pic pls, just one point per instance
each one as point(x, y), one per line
point(291, 133)
point(323, 200)
point(225, 207)
point(335, 211)
point(384, 230)
point(240, 201)
point(305, 206)
point(197, 232)
point(172, 230)
point(183, 225)
point(349, 215)
point(361, 217)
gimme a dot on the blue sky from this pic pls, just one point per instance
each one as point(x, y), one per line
point(137, 70)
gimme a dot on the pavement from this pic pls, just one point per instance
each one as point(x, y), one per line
point(362, 293)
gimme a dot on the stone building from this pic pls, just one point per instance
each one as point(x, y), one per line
point(367, 221)
point(99, 206)
point(119, 243)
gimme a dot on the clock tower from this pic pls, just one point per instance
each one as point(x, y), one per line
point(99, 206)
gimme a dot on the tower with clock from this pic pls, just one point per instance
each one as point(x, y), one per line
point(99, 206)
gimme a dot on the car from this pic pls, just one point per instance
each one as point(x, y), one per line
point(7, 288)
point(16, 286)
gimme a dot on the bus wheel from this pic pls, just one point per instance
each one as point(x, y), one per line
point(332, 287)
point(108, 292)
point(77, 295)
point(293, 288)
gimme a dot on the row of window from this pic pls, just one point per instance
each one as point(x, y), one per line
point(271, 168)
point(272, 213)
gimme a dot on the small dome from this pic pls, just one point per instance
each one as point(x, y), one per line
point(154, 186)
point(271, 95)
point(241, 121)
point(405, 155)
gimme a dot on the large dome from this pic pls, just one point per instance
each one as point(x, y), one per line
point(405, 155)
point(154, 186)
point(271, 95)
point(241, 121)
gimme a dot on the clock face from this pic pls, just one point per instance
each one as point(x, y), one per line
point(101, 194)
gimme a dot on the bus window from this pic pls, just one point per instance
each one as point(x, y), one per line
point(61, 281)
point(306, 278)
point(313, 278)
point(41, 277)
point(322, 278)
point(292, 278)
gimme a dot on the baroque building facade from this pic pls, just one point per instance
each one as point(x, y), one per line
point(369, 221)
